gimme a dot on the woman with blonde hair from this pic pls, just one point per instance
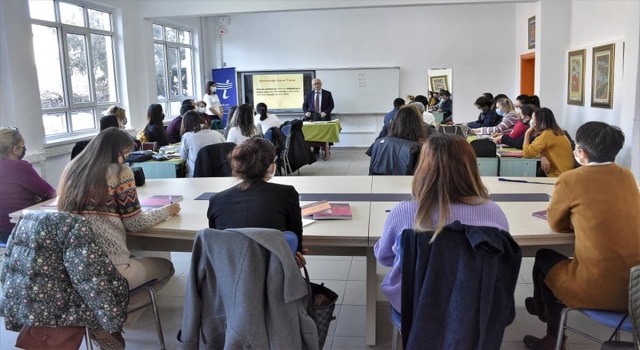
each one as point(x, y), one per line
point(505, 109)
point(20, 185)
point(447, 187)
point(120, 113)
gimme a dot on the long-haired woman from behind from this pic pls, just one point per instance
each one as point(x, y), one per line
point(446, 187)
point(245, 128)
point(194, 137)
point(20, 185)
point(265, 120)
point(154, 131)
point(550, 141)
point(408, 125)
point(99, 186)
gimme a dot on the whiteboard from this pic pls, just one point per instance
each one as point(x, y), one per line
point(361, 90)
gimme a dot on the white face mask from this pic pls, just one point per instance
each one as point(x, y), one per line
point(202, 110)
point(577, 160)
point(212, 89)
point(518, 110)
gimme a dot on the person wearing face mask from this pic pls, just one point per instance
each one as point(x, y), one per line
point(515, 138)
point(504, 108)
point(599, 202)
point(213, 106)
point(154, 131)
point(487, 115)
point(520, 101)
point(201, 108)
point(173, 129)
point(550, 141)
point(20, 185)
point(256, 202)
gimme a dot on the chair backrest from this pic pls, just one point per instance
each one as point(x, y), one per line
point(634, 300)
point(269, 135)
point(213, 161)
point(474, 270)
point(484, 148)
point(78, 148)
point(286, 129)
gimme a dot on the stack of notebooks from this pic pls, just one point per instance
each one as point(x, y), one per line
point(324, 210)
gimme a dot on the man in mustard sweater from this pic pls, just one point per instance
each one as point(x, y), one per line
point(600, 202)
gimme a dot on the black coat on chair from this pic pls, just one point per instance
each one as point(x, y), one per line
point(213, 160)
point(299, 153)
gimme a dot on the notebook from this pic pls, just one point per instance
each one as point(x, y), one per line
point(315, 207)
point(542, 214)
point(159, 200)
point(338, 211)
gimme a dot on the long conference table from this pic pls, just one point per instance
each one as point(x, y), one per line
point(370, 197)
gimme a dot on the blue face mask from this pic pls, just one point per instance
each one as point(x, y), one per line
point(499, 112)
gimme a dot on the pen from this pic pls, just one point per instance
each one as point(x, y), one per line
point(388, 210)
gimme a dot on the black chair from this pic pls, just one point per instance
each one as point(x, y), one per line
point(213, 161)
point(78, 148)
point(484, 148)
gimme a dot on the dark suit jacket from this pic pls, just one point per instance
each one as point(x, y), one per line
point(263, 204)
point(326, 103)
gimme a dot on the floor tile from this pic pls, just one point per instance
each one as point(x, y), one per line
point(355, 293)
point(358, 271)
point(176, 287)
point(328, 269)
point(351, 322)
point(525, 269)
point(522, 325)
point(522, 292)
point(181, 262)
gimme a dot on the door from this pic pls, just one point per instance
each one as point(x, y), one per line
point(527, 73)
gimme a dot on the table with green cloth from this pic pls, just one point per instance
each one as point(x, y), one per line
point(320, 134)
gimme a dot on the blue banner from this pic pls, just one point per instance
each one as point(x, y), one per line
point(226, 89)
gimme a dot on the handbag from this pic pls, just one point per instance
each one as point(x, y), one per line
point(138, 175)
point(457, 129)
point(322, 303)
point(59, 338)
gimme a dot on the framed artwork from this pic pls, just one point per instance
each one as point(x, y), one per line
point(602, 77)
point(531, 29)
point(439, 83)
point(575, 79)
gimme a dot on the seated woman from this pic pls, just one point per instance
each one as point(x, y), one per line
point(487, 115)
point(255, 202)
point(515, 138)
point(504, 109)
point(201, 108)
point(121, 115)
point(173, 129)
point(446, 187)
point(99, 186)
point(245, 128)
point(20, 185)
point(422, 102)
point(606, 227)
point(266, 120)
point(194, 137)
point(154, 130)
point(397, 152)
point(550, 141)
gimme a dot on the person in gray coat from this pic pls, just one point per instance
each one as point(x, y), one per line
point(245, 291)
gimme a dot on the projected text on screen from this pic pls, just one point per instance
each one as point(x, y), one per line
point(279, 91)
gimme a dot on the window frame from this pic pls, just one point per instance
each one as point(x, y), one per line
point(170, 97)
point(62, 32)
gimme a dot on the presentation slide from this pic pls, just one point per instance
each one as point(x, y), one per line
point(279, 91)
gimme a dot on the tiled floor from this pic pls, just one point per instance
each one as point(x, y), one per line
point(344, 275)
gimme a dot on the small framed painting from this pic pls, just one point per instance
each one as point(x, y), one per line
point(575, 79)
point(439, 83)
point(531, 29)
point(602, 78)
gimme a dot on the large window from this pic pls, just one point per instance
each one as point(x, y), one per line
point(75, 62)
point(173, 54)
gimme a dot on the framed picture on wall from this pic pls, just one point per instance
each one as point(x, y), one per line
point(602, 78)
point(575, 78)
point(439, 83)
point(531, 30)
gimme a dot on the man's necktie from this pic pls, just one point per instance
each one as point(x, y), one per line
point(317, 104)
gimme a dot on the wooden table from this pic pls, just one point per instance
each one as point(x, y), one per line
point(337, 237)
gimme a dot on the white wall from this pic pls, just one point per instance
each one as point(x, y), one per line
point(413, 38)
point(616, 21)
point(524, 11)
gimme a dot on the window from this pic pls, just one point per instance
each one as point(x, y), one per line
point(79, 38)
point(173, 53)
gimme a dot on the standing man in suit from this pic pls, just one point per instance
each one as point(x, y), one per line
point(318, 101)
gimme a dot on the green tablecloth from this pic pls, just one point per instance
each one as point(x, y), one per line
point(322, 131)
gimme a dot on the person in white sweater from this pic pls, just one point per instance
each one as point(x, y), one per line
point(194, 137)
point(245, 128)
point(99, 186)
point(264, 120)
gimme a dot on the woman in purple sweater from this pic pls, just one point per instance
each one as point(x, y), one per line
point(20, 184)
point(446, 187)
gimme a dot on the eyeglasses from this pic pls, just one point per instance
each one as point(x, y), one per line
point(16, 131)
